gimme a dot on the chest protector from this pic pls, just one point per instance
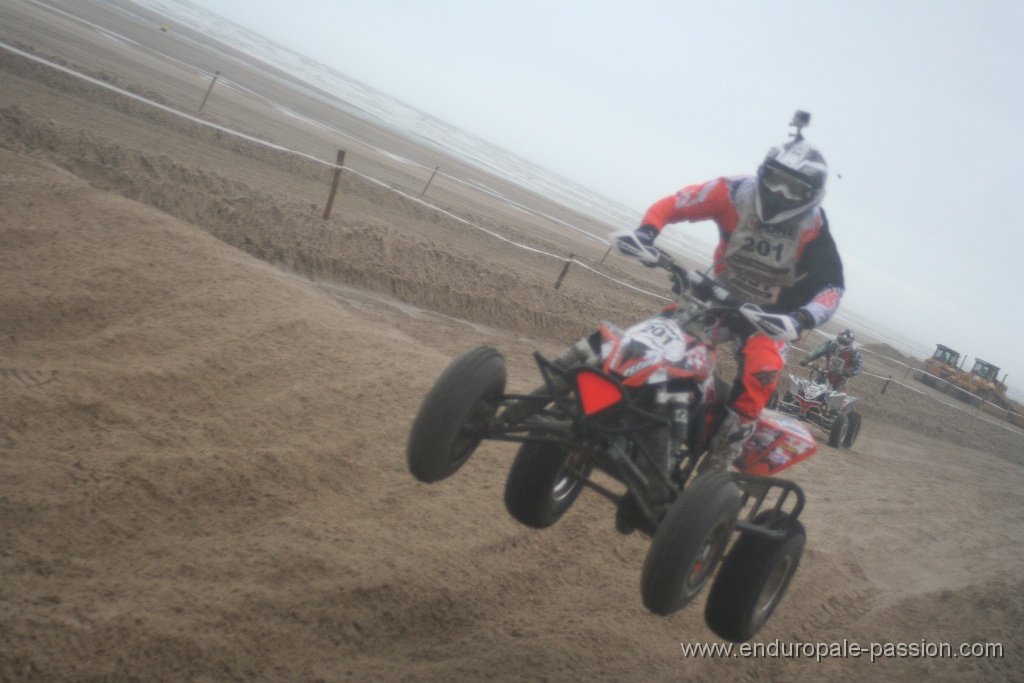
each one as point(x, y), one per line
point(839, 361)
point(761, 257)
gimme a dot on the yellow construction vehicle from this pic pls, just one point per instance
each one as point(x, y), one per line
point(979, 387)
point(944, 372)
point(982, 382)
point(943, 364)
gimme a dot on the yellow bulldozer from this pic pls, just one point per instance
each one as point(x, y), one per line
point(981, 386)
point(938, 369)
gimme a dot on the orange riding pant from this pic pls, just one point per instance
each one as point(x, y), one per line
point(760, 358)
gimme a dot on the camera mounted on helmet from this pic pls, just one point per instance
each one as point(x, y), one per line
point(801, 119)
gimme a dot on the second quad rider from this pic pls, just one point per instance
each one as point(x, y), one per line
point(842, 359)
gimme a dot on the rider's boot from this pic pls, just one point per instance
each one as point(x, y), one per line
point(727, 444)
point(629, 517)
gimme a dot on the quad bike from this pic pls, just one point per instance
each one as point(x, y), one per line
point(640, 405)
point(814, 400)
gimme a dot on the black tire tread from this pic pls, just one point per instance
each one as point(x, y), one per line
point(853, 430)
point(835, 439)
point(729, 609)
point(474, 375)
point(699, 508)
point(530, 484)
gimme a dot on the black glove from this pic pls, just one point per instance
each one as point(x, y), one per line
point(804, 320)
point(677, 282)
point(646, 233)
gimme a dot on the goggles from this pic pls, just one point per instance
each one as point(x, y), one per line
point(782, 181)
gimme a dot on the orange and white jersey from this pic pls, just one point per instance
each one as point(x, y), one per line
point(781, 266)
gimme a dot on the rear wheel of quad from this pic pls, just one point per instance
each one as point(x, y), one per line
point(753, 579)
point(543, 483)
point(455, 414)
point(852, 430)
point(837, 433)
point(689, 543)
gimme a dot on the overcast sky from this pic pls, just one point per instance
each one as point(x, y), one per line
point(917, 106)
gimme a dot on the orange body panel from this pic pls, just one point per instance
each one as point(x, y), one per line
point(778, 443)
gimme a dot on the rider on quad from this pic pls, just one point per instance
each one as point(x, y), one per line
point(842, 359)
point(776, 251)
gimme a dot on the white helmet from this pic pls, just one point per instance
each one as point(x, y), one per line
point(790, 181)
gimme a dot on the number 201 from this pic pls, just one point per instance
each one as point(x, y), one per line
point(762, 247)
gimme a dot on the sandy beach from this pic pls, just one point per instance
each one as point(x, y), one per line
point(206, 389)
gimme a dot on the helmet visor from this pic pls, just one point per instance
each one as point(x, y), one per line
point(783, 182)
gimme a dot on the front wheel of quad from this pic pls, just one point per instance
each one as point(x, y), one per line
point(753, 579)
point(455, 414)
point(852, 430)
point(544, 482)
point(689, 543)
point(840, 428)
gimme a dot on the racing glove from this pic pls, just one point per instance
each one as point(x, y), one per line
point(804, 320)
point(638, 244)
point(778, 326)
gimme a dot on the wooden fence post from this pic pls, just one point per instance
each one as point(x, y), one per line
point(565, 269)
point(334, 183)
point(886, 385)
point(428, 182)
point(208, 90)
point(974, 420)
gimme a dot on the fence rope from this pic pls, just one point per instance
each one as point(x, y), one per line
point(311, 157)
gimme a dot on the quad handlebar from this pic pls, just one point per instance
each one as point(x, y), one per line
point(693, 286)
point(816, 373)
point(701, 285)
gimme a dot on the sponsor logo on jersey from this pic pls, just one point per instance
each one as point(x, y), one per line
point(788, 230)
